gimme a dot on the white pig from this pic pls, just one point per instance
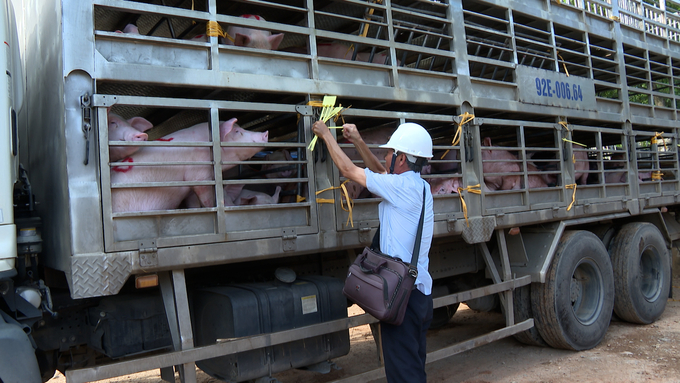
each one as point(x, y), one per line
point(130, 28)
point(164, 198)
point(249, 197)
point(122, 130)
point(253, 38)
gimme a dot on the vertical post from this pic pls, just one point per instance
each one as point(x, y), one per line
point(507, 275)
point(176, 304)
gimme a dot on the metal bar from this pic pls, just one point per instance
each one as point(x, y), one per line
point(188, 371)
point(489, 262)
point(85, 375)
point(482, 291)
point(505, 263)
point(454, 349)
point(480, 341)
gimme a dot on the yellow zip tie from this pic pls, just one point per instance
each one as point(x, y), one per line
point(658, 136)
point(563, 64)
point(329, 111)
point(615, 18)
point(574, 142)
point(214, 29)
point(476, 189)
point(573, 196)
point(299, 199)
point(657, 175)
point(565, 124)
point(573, 158)
point(465, 118)
point(350, 202)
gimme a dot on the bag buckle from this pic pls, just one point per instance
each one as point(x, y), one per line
point(413, 272)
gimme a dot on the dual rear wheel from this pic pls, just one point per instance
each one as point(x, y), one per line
point(584, 284)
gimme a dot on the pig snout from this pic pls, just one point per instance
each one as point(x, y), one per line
point(126, 130)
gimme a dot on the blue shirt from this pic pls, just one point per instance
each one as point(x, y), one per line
point(399, 213)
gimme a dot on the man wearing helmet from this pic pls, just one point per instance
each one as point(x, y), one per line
point(401, 189)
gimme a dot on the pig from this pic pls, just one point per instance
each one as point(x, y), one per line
point(276, 170)
point(129, 28)
point(337, 50)
point(253, 38)
point(581, 166)
point(444, 185)
point(445, 167)
point(231, 192)
point(500, 182)
point(164, 198)
point(535, 180)
point(126, 130)
point(249, 197)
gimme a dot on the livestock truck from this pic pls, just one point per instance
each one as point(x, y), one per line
point(555, 136)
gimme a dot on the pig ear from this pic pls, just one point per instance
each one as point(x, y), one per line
point(275, 40)
point(241, 40)
point(140, 123)
point(487, 141)
point(226, 127)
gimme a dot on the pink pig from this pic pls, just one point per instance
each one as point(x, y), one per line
point(249, 197)
point(500, 182)
point(122, 130)
point(444, 185)
point(129, 28)
point(164, 198)
point(253, 38)
point(581, 166)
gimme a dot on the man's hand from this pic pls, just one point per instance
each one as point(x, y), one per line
point(351, 133)
point(320, 129)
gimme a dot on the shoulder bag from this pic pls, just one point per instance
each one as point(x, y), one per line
point(381, 284)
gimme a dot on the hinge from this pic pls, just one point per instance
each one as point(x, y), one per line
point(148, 253)
point(289, 238)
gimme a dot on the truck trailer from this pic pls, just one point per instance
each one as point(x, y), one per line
point(166, 206)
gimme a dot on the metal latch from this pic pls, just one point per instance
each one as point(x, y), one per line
point(86, 109)
point(148, 253)
point(451, 222)
point(289, 239)
point(364, 232)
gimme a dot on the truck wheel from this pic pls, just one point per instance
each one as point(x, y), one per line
point(442, 315)
point(522, 312)
point(642, 273)
point(572, 309)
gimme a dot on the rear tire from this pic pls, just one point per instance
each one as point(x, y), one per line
point(642, 273)
point(522, 311)
point(442, 315)
point(573, 307)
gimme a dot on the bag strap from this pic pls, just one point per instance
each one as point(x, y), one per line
point(375, 244)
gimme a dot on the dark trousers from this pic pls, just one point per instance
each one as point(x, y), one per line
point(404, 345)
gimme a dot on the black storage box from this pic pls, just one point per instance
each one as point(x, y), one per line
point(129, 324)
point(248, 309)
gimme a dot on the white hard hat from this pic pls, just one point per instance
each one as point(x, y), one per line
point(411, 139)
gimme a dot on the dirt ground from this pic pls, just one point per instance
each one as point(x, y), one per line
point(629, 353)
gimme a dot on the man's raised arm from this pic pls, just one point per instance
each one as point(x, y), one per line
point(350, 132)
